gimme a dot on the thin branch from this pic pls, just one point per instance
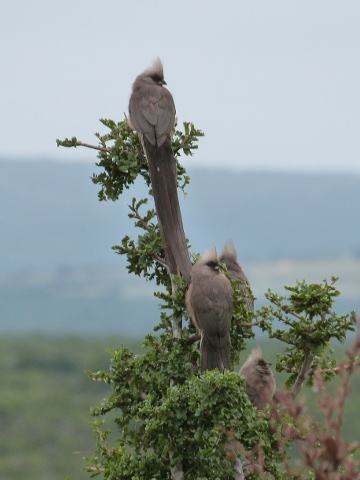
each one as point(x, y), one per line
point(336, 369)
point(286, 309)
point(104, 444)
point(303, 373)
point(95, 469)
point(141, 219)
point(176, 320)
point(160, 260)
point(253, 324)
point(186, 138)
point(192, 339)
point(95, 147)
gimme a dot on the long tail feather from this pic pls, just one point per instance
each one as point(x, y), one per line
point(163, 175)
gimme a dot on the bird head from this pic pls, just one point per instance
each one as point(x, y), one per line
point(209, 259)
point(256, 358)
point(255, 355)
point(229, 255)
point(155, 73)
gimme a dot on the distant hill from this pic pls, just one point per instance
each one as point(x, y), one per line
point(58, 272)
point(103, 301)
point(51, 217)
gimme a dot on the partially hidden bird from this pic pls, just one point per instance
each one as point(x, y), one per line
point(260, 381)
point(229, 257)
point(152, 114)
point(209, 300)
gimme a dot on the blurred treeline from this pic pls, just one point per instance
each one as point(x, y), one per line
point(46, 399)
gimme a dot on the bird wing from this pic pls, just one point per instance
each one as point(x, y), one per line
point(153, 114)
point(212, 306)
point(235, 270)
point(142, 114)
point(215, 325)
point(165, 113)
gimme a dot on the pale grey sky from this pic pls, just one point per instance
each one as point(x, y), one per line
point(273, 84)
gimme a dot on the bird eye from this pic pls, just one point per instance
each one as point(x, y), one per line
point(212, 265)
point(156, 78)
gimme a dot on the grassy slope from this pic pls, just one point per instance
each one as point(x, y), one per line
point(45, 402)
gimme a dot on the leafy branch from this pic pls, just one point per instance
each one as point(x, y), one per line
point(310, 326)
point(321, 446)
point(174, 421)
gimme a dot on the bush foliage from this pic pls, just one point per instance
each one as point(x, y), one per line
point(175, 422)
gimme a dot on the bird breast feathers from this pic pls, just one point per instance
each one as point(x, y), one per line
point(212, 299)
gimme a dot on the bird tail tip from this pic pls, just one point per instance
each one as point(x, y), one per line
point(214, 357)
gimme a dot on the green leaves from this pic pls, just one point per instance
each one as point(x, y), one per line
point(145, 256)
point(242, 322)
point(186, 141)
point(68, 143)
point(184, 417)
point(310, 326)
point(122, 162)
point(314, 299)
point(121, 156)
point(168, 414)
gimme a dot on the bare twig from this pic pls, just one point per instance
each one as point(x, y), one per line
point(192, 339)
point(160, 260)
point(303, 373)
point(141, 219)
point(95, 147)
point(253, 324)
point(95, 469)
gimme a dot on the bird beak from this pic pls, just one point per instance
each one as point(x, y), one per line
point(268, 363)
point(162, 82)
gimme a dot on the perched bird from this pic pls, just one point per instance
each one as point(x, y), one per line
point(209, 301)
point(260, 382)
point(229, 257)
point(151, 106)
point(152, 114)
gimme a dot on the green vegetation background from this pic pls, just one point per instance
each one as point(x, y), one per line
point(46, 398)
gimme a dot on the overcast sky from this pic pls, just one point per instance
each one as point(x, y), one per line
point(273, 84)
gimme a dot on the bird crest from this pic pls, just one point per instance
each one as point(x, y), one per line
point(156, 69)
